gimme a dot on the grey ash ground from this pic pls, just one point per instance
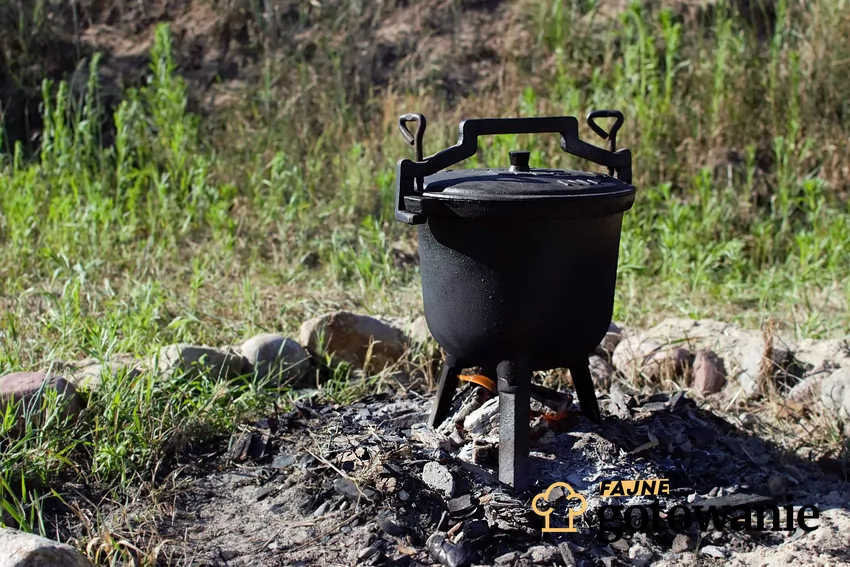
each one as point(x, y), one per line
point(369, 484)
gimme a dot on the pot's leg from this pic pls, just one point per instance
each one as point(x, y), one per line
point(514, 413)
point(445, 390)
point(583, 382)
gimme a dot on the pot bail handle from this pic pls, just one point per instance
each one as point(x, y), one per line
point(612, 133)
point(414, 139)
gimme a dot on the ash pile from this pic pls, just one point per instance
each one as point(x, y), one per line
point(370, 483)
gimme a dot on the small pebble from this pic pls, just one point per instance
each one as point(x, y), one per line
point(403, 496)
point(439, 478)
point(507, 559)
point(747, 419)
point(694, 498)
point(682, 543)
point(391, 528)
point(544, 554)
point(367, 553)
point(320, 511)
point(714, 551)
point(640, 555)
point(777, 484)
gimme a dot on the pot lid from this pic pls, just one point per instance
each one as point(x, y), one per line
point(426, 186)
point(521, 182)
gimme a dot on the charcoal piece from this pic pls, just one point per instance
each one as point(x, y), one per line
point(653, 407)
point(390, 527)
point(283, 460)
point(306, 461)
point(461, 506)
point(476, 529)
point(567, 554)
point(701, 436)
point(732, 500)
point(446, 553)
point(348, 489)
point(394, 470)
point(678, 401)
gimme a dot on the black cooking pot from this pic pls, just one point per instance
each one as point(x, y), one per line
point(518, 265)
point(517, 262)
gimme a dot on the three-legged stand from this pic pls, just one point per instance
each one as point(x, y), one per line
point(514, 384)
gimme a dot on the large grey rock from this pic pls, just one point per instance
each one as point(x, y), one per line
point(26, 391)
point(809, 389)
point(358, 340)
point(193, 360)
point(743, 351)
point(275, 356)
point(656, 360)
point(835, 392)
point(833, 352)
point(21, 549)
point(88, 374)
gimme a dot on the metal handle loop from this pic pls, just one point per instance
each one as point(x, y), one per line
point(611, 134)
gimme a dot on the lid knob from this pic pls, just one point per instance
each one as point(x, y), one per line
point(519, 161)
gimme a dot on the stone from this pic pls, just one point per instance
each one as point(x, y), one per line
point(348, 488)
point(359, 340)
point(508, 558)
point(390, 527)
point(640, 555)
point(601, 371)
point(322, 509)
point(439, 478)
point(667, 364)
point(544, 554)
point(611, 340)
point(21, 549)
point(682, 543)
point(25, 390)
point(817, 354)
point(809, 388)
point(655, 360)
point(418, 331)
point(709, 372)
point(835, 392)
point(713, 551)
point(631, 351)
point(747, 419)
point(743, 351)
point(192, 361)
point(367, 553)
point(90, 376)
point(777, 484)
point(275, 356)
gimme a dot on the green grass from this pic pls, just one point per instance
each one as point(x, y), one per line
point(200, 231)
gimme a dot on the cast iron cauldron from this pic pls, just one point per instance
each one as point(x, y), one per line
point(518, 265)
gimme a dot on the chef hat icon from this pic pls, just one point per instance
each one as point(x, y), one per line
point(573, 512)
